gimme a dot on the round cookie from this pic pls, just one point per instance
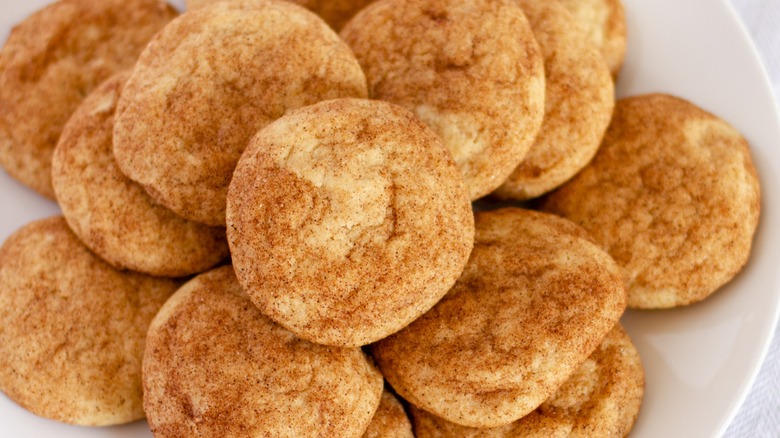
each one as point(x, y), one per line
point(672, 195)
point(600, 399)
point(579, 97)
point(335, 12)
point(51, 61)
point(605, 23)
point(111, 214)
point(470, 69)
point(214, 366)
point(208, 82)
point(347, 220)
point(72, 328)
point(535, 300)
point(390, 420)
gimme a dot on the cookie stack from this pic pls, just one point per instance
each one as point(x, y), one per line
point(339, 174)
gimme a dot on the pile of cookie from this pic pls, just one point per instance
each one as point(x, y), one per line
point(264, 219)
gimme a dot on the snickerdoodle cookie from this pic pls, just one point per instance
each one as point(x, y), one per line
point(72, 328)
point(390, 420)
point(208, 82)
point(605, 23)
point(347, 220)
point(534, 301)
point(51, 61)
point(600, 399)
point(335, 12)
point(580, 96)
point(672, 195)
point(214, 366)
point(470, 69)
point(111, 214)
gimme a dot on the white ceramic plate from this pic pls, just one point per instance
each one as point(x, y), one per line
point(700, 360)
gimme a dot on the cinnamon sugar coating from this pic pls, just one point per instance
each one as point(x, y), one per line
point(600, 399)
point(114, 216)
point(208, 82)
point(390, 420)
point(49, 64)
point(470, 69)
point(335, 12)
point(72, 328)
point(578, 103)
point(672, 195)
point(214, 366)
point(605, 23)
point(347, 220)
point(535, 300)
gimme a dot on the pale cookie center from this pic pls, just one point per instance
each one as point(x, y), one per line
point(455, 130)
point(578, 389)
point(354, 196)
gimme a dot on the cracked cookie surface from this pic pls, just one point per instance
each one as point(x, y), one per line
point(347, 220)
point(600, 399)
point(579, 97)
point(72, 328)
point(113, 215)
point(214, 366)
point(208, 82)
point(672, 195)
point(470, 69)
point(534, 301)
point(49, 64)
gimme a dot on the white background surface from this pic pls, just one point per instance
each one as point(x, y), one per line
point(696, 358)
point(759, 416)
point(700, 359)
